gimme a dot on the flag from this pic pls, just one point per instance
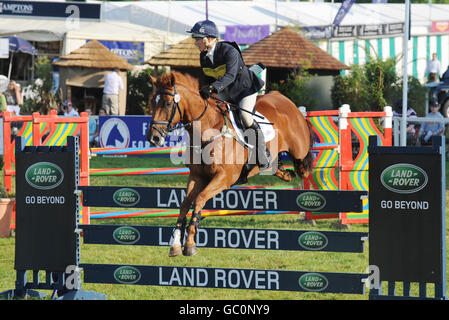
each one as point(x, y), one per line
point(344, 9)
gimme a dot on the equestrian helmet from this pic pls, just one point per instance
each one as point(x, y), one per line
point(205, 28)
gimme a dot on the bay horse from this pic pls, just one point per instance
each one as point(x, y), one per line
point(175, 101)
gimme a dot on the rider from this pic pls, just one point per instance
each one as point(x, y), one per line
point(227, 75)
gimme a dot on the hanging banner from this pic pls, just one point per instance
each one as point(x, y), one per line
point(4, 48)
point(50, 9)
point(344, 9)
point(246, 34)
point(318, 32)
point(440, 26)
point(133, 52)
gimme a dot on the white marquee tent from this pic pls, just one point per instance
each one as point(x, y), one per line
point(74, 36)
point(178, 16)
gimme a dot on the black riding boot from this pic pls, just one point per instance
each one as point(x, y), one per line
point(262, 151)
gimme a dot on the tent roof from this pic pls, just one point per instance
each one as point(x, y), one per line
point(54, 29)
point(182, 54)
point(179, 16)
point(288, 49)
point(93, 55)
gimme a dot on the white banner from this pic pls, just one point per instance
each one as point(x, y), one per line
point(4, 48)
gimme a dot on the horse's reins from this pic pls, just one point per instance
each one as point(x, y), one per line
point(235, 107)
point(175, 107)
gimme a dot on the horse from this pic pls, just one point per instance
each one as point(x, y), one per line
point(211, 132)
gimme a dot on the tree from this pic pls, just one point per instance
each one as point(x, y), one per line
point(375, 85)
point(296, 89)
point(41, 99)
point(140, 87)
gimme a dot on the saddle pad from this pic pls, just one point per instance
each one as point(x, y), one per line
point(267, 129)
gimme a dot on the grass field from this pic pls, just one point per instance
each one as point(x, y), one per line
point(226, 258)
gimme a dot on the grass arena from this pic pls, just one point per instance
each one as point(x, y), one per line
point(184, 272)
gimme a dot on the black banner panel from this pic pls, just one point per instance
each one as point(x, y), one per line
point(45, 209)
point(406, 218)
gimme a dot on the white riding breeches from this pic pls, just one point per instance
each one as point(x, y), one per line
point(247, 104)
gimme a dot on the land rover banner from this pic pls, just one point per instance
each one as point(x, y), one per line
point(407, 206)
point(45, 181)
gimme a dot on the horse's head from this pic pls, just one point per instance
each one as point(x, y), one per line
point(165, 109)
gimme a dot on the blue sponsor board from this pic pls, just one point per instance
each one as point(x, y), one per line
point(131, 132)
point(133, 52)
point(51, 9)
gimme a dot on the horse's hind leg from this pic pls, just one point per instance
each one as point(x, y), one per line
point(303, 167)
point(286, 175)
point(216, 185)
point(194, 186)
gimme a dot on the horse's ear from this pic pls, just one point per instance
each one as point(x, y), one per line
point(172, 80)
point(153, 80)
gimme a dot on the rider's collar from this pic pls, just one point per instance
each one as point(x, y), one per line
point(210, 53)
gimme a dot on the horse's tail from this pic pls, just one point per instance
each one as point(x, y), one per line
point(304, 167)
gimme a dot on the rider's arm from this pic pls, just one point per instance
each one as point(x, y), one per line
point(232, 57)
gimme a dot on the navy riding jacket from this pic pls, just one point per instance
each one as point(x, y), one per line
point(228, 74)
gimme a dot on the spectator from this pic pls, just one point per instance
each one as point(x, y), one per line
point(93, 124)
point(68, 109)
point(433, 69)
point(411, 130)
point(13, 98)
point(102, 112)
point(55, 74)
point(96, 137)
point(113, 83)
point(431, 128)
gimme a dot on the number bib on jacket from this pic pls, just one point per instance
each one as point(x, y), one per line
point(215, 73)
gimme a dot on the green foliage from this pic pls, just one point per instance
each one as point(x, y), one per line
point(5, 194)
point(140, 88)
point(375, 85)
point(296, 89)
point(42, 99)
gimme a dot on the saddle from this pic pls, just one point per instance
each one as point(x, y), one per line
point(266, 126)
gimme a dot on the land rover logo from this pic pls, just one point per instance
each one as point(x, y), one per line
point(127, 275)
point(404, 178)
point(311, 201)
point(44, 175)
point(313, 282)
point(126, 235)
point(313, 240)
point(126, 197)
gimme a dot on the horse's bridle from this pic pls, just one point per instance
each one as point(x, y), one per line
point(175, 106)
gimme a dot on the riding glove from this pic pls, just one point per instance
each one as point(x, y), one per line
point(206, 91)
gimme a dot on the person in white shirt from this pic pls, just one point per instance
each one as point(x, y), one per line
point(69, 111)
point(113, 83)
point(433, 69)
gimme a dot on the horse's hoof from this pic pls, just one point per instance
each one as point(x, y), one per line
point(190, 251)
point(175, 251)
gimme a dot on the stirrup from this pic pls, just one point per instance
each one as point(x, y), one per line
point(267, 163)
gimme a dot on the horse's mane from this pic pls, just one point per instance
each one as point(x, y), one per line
point(186, 80)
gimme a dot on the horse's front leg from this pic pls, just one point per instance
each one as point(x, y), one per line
point(216, 185)
point(194, 186)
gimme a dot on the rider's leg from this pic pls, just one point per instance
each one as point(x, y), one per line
point(263, 154)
